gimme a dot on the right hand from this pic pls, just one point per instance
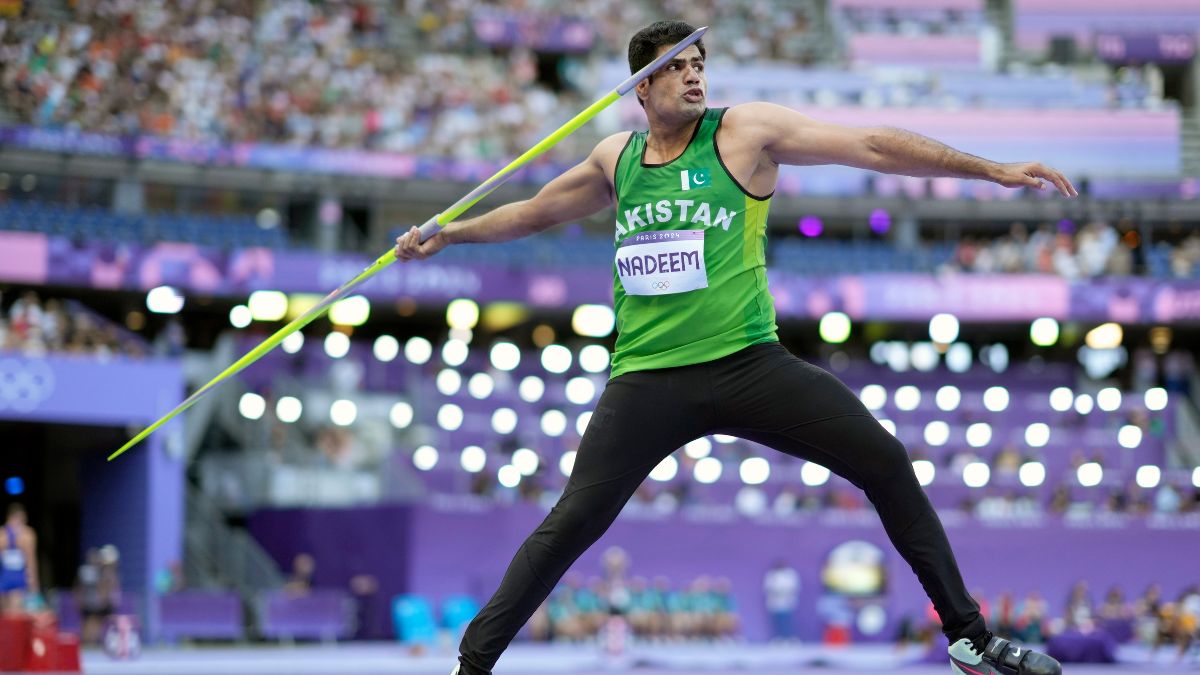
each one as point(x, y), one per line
point(409, 246)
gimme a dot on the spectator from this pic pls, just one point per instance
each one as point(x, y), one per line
point(300, 582)
point(781, 588)
point(18, 560)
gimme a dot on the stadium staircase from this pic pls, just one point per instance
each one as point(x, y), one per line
point(1190, 143)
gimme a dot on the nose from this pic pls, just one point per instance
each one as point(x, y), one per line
point(691, 76)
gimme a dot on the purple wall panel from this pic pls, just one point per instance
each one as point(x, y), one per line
point(467, 552)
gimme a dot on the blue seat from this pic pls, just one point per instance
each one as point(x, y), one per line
point(457, 612)
point(413, 619)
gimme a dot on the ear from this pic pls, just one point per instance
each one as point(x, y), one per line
point(642, 89)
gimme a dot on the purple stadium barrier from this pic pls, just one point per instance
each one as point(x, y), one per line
point(323, 614)
point(201, 614)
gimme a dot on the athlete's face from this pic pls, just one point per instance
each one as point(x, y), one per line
point(679, 88)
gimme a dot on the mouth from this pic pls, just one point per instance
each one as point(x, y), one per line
point(694, 95)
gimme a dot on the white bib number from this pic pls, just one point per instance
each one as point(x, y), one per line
point(661, 263)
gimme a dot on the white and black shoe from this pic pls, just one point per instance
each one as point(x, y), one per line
point(999, 657)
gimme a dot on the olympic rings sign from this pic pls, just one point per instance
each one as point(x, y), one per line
point(661, 285)
point(24, 384)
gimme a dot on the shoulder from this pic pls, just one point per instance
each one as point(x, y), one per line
point(755, 116)
point(608, 150)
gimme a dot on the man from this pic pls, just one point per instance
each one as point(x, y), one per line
point(697, 351)
point(18, 559)
point(781, 589)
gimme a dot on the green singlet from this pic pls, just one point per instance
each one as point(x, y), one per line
point(690, 276)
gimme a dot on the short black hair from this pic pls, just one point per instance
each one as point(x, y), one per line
point(643, 46)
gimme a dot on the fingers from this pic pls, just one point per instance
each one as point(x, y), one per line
point(408, 246)
point(1064, 186)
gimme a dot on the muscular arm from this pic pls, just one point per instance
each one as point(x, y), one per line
point(579, 192)
point(788, 137)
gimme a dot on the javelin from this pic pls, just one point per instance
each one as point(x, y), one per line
point(428, 229)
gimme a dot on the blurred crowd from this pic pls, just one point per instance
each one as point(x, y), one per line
point(36, 327)
point(1095, 249)
point(1149, 619)
point(652, 610)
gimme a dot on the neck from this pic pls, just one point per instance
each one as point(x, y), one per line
point(669, 135)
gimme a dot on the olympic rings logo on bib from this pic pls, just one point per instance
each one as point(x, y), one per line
point(662, 263)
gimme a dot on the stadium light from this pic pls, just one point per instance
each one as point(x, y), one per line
point(240, 317)
point(1037, 435)
point(1090, 474)
point(976, 474)
point(462, 314)
point(425, 457)
point(907, 398)
point(873, 396)
point(813, 474)
point(1108, 399)
point(450, 417)
point(268, 305)
point(580, 390)
point(351, 311)
point(943, 328)
point(481, 386)
point(750, 501)
point(1156, 398)
point(1032, 474)
point(418, 350)
point(566, 463)
point(594, 358)
point(834, 327)
point(505, 356)
point(1129, 436)
point(509, 476)
point(556, 359)
point(455, 352)
point(1044, 332)
point(708, 470)
point(979, 434)
point(386, 348)
point(448, 381)
point(288, 409)
point(995, 399)
point(343, 412)
point(337, 345)
point(1084, 404)
point(754, 471)
point(924, 356)
point(252, 406)
point(1105, 336)
point(925, 471)
point(1061, 399)
point(958, 357)
point(698, 448)
point(554, 423)
point(593, 320)
point(504, 421)
point(165, 300)
point(1148, 476)
point(531, 389)
point(937, 433)
point(293, 343)
point(473, 459)
point(947, 398)
point(666, 469)
point(401, 415)
point(526, 461)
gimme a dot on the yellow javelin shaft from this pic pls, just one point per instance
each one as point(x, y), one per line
point(427, 230)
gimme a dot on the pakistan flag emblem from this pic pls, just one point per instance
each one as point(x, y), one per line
point(694, 179)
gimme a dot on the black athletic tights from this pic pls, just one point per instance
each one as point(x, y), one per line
point(762, 393)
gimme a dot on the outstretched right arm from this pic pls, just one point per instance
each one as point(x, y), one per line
point(581, 191)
